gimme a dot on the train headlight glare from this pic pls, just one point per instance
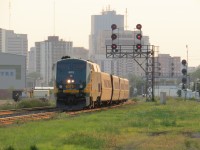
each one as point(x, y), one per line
point(68, 81)
point(72, 81)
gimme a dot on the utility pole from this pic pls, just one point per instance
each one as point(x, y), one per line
point(187, 54)
point(188, 76)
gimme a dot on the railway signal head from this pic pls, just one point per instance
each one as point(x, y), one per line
point(113, 46)
point(139, 26)
point(139, 36)
point(113, 36)
point(138, 46)
point(184, 72)
point(113, 26)
point(184, 62)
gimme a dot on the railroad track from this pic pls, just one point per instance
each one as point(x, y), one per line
point(10, 117)
point(15, 112)
point(25, 118)
point(6, 112)
point(72, 113)
point(22, 115)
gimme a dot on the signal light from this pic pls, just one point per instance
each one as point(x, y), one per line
point(113, 46)
point(184, 71)
point(113, 26)
point(138, 46)
point(113, 36)
point(139, 26)
point(184, 62)
point(139, 36)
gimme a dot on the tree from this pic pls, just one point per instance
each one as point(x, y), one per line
point(136, 84)
point(195, 77)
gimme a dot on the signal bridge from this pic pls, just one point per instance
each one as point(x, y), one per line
point(136, 52)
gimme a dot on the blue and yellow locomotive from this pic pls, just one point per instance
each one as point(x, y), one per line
point(80, 83)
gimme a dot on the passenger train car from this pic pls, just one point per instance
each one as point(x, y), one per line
point(80, 83)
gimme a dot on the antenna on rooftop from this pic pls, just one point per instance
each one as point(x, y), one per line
point(102, 11)
point(126, 14)
point(9, 14)
point(54, 16)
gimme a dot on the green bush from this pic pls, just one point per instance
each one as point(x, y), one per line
point(32, 103)
point(26, 103)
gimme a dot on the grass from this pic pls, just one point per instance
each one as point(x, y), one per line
point(145, 125)
point(26, 103)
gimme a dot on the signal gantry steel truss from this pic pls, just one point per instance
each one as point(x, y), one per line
point(146, 63)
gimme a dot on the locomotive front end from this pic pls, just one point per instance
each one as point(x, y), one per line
point(71, 83)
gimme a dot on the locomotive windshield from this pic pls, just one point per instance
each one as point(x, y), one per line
point(72, 71)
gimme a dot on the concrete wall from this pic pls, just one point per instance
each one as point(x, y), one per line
point(170, 90)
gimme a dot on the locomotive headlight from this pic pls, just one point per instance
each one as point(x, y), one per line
point(72, 81)
point(68, 81)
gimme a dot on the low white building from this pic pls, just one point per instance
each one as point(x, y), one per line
point(12, 71)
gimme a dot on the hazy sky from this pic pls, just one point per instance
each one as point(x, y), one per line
point(170, 24)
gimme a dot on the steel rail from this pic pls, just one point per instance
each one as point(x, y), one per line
point(46, 114)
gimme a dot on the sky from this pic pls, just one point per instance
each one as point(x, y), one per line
point(170, 24)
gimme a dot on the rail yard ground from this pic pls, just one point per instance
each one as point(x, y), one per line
point(141, 126)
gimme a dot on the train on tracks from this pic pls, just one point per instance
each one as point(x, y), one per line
point(80, 84)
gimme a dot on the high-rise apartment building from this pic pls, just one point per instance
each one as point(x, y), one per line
point(32, 60)
point(47, 53)
point(14, 43)
point(167, 66)
point(100, 23)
